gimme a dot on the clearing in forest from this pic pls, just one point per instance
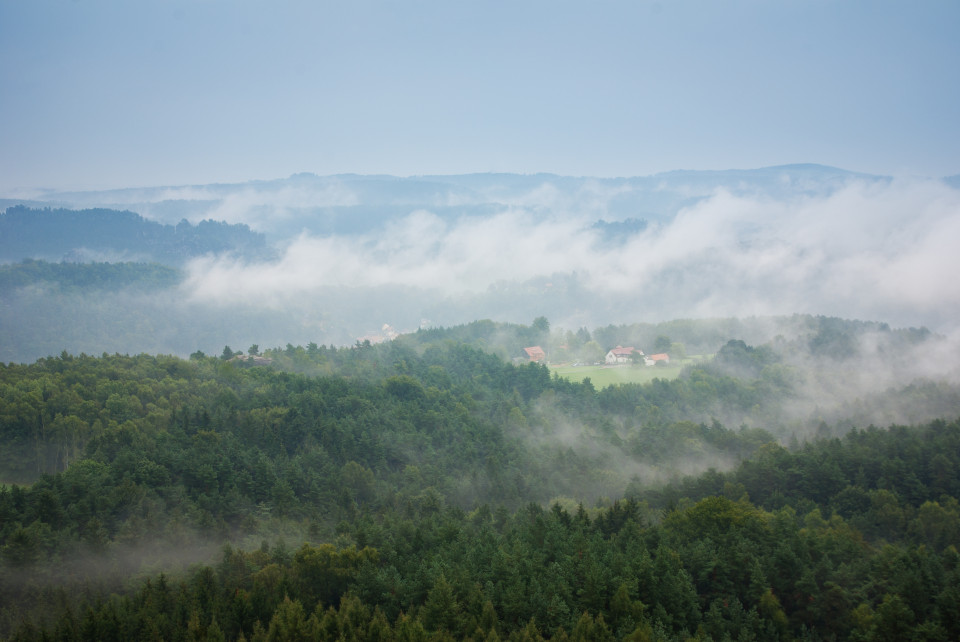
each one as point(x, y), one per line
point(603, 376)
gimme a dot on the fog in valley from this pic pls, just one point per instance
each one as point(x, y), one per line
point(353, 258)
point(353, 253)
point(479, 321)
point(868, 250)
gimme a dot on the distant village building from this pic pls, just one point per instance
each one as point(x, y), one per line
point(387, 333)
point(620, 355)
point(253, 359)
point(653, 359)
point(535, 354)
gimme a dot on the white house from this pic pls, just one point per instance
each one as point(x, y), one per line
point(622, 355)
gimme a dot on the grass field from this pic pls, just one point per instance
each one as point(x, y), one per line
point(603, 376)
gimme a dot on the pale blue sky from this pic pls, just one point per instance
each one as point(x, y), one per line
point(115, 93)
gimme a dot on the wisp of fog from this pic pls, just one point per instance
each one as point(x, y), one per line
point(870, 250)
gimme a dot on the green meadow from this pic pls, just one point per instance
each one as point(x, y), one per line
point(603, 376)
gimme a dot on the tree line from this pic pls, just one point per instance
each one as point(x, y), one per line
point(428, 489)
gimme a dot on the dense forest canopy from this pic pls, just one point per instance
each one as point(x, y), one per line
point(436, 487)
point(512, 380)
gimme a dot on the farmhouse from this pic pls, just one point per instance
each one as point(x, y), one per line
point(387, 333)
point(535, 353)
point(252, 359)
point(654, 359)
point(622, 355)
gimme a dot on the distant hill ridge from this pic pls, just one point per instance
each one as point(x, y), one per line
point(284, 208)
point(110, 235)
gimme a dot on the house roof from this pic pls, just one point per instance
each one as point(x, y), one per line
point(535, 352)
point(663, 356)
point(620, 350)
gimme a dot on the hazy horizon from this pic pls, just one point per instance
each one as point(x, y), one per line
point(352, 253)
point(106, 94)
point(210, 102)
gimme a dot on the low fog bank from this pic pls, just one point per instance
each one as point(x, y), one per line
point(828, 377)
point(109, 567)
point(352, 203)
point(867, 251)
point(803, 239)
point(878, 378)
point(816, 377)
point(599, 463)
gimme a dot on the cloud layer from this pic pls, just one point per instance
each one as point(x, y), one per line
point(881, 250)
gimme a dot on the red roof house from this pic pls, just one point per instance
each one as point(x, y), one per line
point(536, 353)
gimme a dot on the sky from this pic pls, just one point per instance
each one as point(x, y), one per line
point(101, 94)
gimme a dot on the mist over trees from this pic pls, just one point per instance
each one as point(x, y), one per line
point(392, 457)
point(332, 259)
point(426, 486)
point(355, 204)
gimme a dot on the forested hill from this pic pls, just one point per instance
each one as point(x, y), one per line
point(86, 278)
point(426, 489)
point(111, 235)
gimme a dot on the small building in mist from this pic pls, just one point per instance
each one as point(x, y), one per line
point(252, 359)
point(621, 355)
point(387, 333)
point(535, 354)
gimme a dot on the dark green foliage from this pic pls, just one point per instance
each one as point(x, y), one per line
point(743, 360)
point(412, 484)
